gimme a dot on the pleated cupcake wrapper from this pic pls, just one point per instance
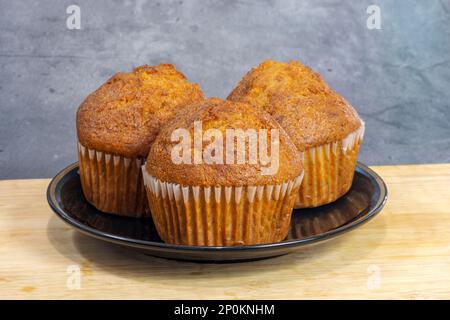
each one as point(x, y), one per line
point(221, 216)
point(329, 170)
point(113, 183)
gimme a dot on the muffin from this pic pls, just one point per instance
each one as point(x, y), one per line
point(116, 126)
point(321, 123)
point(227, 197)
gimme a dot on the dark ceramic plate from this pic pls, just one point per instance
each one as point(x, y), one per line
point(365, 199)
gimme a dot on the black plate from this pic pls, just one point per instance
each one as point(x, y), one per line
point(365, 199)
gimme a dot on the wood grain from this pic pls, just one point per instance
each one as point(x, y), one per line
point(403, 253)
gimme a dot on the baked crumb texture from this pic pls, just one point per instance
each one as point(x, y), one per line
point(221, 204)
point(321, 123)
point(116, 125)
point(125, 114)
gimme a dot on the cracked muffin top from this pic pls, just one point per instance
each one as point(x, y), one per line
point(125, 114)
point(300, 100)
point(212, 122)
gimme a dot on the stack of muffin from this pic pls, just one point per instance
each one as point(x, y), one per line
point(125, 147)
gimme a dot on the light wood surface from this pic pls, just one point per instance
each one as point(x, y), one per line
point(404, 252)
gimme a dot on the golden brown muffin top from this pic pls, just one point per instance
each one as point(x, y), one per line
point(300, 100)
point(124, 115)
point(221, 115)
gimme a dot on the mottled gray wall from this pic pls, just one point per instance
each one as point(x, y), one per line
point(398, 77)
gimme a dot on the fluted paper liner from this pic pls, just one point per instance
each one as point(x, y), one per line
point(221, 216)
point(329, 170)
point(113, 183)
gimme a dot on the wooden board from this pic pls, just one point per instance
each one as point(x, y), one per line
point(403, 253)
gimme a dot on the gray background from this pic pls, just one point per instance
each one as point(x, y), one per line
point(398, 77)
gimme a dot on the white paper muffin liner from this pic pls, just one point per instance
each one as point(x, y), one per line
point(113, 183)
point(221, 216)
point(329, 170)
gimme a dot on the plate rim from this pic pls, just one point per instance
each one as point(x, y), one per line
point(145, 244)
